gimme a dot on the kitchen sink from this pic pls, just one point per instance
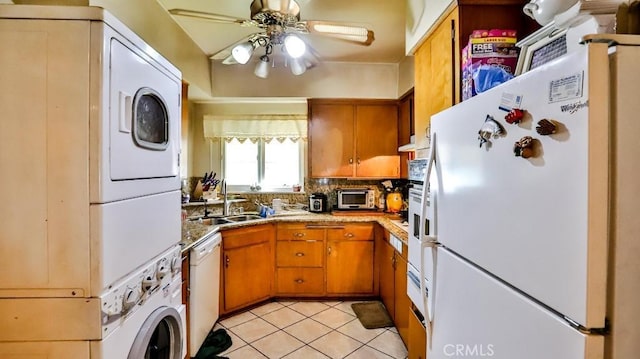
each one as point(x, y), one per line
point(243, 217)
point(212, 221)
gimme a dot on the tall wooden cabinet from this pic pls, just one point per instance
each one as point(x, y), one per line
point(437, 59)
point(353, 138)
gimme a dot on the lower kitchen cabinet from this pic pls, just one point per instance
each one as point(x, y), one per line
point(300, 281)
point(417, 344)
point(392, 268)
point(350, 259)
point(247, 266)
point(402, 301)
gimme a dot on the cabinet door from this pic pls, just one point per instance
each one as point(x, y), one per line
point(402, 301)
point(417, 338)
point(350, 267)
point(248, 273)
point(435, 70)
point(331, 145)
point(377, 141)
point(385, 254)
point(185, 295)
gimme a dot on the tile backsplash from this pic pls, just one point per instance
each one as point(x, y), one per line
point(327, 186)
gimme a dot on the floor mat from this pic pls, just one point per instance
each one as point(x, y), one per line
point(216, 342)
point(372, 315)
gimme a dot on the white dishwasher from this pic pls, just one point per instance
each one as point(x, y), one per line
point(204, 284)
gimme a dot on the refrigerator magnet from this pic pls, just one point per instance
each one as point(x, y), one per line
point(514, 116)
point(546, 127)
point(490, 129)
point(524, 147)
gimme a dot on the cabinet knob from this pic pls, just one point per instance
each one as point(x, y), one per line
point(299, 281)
point(358, 160)
point(329, 249)
point(299, 254)
point(350, 160)
point(298, 234)
point(226, 261)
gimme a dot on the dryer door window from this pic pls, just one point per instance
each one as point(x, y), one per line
point(151, 121)
point(160, 336)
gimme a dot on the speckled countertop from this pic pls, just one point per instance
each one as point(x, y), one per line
point(194, 231)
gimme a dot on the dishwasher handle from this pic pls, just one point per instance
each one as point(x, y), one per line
point(204, 249)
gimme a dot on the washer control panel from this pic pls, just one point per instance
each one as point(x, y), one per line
point(125, 296)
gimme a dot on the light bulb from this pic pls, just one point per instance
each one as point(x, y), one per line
point(294, 46)
point(262, 69)
point(298, 67)
point(242, 52)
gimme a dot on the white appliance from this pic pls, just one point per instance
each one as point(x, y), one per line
point(91, 138)
point(537, 257)
point(417, 171)
point(204, 286)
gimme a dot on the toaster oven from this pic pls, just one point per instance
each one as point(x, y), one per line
point(356, 198)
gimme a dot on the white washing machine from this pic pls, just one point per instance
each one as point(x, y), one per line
point(141, 316)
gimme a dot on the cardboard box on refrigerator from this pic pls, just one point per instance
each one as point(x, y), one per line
point(487, 47)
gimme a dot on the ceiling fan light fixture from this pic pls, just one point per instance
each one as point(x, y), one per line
point(262, 68)
point(294, 46)
point(298, 67)
point(242, 52)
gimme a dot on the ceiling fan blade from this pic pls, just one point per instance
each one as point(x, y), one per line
point(356, 34)
point(223, 19)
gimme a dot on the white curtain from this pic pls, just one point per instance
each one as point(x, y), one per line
point(254, 127)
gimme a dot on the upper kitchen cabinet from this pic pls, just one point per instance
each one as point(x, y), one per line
point(353, 139)
point(437, 59)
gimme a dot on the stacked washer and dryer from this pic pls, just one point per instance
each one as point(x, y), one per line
point(90, 198)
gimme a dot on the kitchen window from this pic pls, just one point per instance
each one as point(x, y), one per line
point(259, 152)
point(273, 165)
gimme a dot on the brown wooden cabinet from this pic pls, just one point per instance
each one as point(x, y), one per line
point(417, 344)
point(247, 266)
point(405, 129)
point(437, 60)
point(350, 259)
point(353, 138)
point(299, 260)
point(392, 277)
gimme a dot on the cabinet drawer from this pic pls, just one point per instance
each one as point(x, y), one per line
point(300, 280)
point(363, 232)
point(299, 253)
point(288, 231)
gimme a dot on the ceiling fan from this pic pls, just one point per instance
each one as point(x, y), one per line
point(280, 23)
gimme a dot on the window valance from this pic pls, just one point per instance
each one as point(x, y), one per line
point(254, 127)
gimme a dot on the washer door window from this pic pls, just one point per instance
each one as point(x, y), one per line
point(150, 120)
point(160, 337)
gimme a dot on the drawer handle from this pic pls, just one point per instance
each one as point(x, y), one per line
point(299, 281)
point(226, 261)
point(348, 235)
point(299, 254)
point(298, 234)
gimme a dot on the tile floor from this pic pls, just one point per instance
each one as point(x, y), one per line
point(307, 330)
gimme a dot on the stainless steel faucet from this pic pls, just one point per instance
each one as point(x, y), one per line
point(225, 201)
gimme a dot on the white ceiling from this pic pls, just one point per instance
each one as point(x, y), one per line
point(385, 17)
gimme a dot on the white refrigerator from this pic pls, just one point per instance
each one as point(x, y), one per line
point(537, 255)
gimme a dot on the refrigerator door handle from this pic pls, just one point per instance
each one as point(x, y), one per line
point(424, 244)
point(425, 190)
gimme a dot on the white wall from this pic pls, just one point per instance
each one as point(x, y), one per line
point(421, 15)
point(405, 75)
point(326, 80)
